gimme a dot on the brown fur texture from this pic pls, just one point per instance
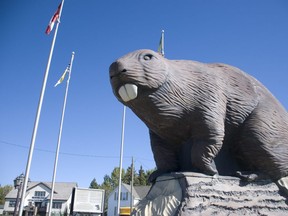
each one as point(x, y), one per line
point(197, 113)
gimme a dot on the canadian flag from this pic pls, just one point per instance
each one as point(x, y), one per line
point(53, 20)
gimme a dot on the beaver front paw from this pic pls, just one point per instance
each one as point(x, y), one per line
point(251, 176)
point(154, 175)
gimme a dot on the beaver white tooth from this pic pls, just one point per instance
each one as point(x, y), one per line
point(128, 92)
point(123, 94)
point(132, 91)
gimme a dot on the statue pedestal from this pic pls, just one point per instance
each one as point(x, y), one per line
point(198, 194)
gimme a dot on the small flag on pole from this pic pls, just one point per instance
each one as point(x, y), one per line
point(67, 70)
point(53, 20)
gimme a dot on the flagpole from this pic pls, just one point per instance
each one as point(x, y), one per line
point(60, 135)
point(34, 134)
point(121, 160)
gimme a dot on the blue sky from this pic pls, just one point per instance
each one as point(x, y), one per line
point(251, 35)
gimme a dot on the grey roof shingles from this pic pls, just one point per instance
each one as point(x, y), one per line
point(142, 191)
point(138, 191)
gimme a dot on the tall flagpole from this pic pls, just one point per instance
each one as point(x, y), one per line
point(28, 165)
point(60, 135)
point(121, 160)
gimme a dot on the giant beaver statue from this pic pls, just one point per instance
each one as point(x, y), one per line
point(203, 113)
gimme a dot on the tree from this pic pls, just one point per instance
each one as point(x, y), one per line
point(94, 184)
point(127, 176)
point(3, 192)
point(107, 183)
point(141, 177)
point(115, 176)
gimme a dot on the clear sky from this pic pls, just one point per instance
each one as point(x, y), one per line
point(251, 35)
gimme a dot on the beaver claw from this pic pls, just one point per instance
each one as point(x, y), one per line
point(248, 177)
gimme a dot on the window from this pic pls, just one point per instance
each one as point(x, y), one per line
point(115, 196)
point(57, 205)
point(115, 211)
point(124, 196)
point(39, 194)
point(12, 203)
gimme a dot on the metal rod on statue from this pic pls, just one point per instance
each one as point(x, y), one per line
point(162, 44)
point(60, 135)
point(121, 160)
point(34, 134)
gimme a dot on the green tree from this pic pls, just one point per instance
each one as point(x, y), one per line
point(3, 192)
point(141, 177)
point(136, 179)
point(127, 177)
point(107, 183)
point(94, 184)
point(115, 176)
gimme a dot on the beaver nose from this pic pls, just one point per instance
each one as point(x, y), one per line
point(116, 68)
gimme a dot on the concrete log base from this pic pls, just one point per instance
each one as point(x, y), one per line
point(184, 194)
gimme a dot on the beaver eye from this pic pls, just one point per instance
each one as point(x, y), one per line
point(148, 57)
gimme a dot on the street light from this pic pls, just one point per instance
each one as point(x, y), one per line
point(18, 185)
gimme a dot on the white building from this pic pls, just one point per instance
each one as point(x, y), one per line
point(1, 209)
point(38, 197)
point(139, 192)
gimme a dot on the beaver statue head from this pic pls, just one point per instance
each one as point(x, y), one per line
point(136, 73)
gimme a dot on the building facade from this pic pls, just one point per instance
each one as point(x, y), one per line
point(138, 193)
point(37, 199)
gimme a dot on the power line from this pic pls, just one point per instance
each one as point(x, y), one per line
point(69, 154)
point(63, 153)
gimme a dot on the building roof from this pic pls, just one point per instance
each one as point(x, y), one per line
point(138, 191)
point(142, 191)
point(62, 190)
